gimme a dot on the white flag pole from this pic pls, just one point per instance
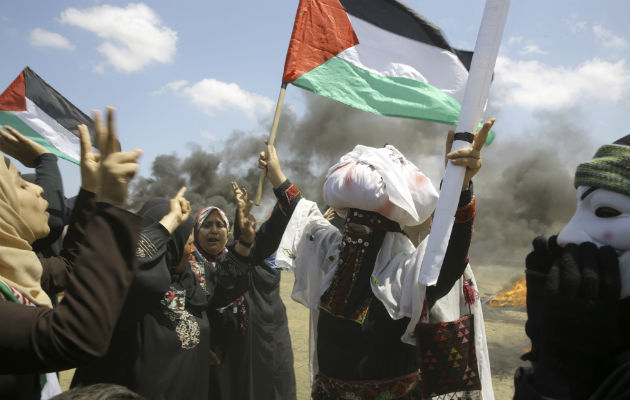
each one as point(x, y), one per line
point(475, 97)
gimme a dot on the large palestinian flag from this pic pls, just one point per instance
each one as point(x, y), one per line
point(378, 56)
point(39, 112)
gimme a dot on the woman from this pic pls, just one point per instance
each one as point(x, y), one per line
point(161, 345)
point(36, 339)
point(361, 284)
point(250, 332)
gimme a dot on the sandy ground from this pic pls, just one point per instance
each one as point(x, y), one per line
point(504, 330)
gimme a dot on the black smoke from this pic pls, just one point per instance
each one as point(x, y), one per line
point(523, 190)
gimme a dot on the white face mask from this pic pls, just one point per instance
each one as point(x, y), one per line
point(603, 218)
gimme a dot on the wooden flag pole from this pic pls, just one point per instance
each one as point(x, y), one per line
point(272, 138)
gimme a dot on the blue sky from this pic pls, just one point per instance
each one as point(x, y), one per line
point(193, 71)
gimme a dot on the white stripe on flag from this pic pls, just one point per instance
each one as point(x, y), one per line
point(51, 130)
point(388, 54)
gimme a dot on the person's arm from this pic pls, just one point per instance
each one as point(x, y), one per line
point(270, 232)
point(456, 257)
point(152, 276)
point(47, 176)
point(56, 268)
point(36, 339)
point(33, 155)
point(288, 195)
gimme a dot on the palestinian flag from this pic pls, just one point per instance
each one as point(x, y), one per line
point(42, 114)
point(377, 56)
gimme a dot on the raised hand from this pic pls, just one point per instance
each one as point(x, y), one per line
point(246, 221)
point(329, 214)
point(179, 211)
point(469, 157)
point(538, 263)
point(90, 161)
point(270, 161)
point(116, 167)
point(18, 146)
point(240, 195)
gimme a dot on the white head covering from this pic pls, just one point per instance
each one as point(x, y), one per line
point(380, 180)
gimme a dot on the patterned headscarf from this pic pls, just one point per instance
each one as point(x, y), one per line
point(199, 219)
point(19, 266)
point(609, 169)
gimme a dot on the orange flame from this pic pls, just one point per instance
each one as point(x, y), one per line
point(511, 297)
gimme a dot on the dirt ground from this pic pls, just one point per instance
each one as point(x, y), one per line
point(504, 329)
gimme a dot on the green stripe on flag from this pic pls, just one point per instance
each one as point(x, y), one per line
point(342, 81)
point(9, 118)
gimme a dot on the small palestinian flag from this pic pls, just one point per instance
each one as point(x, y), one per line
point(378, 56)
point(42, 114)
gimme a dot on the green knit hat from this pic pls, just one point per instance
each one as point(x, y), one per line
point(609, 169)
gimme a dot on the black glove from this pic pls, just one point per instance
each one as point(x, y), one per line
point(580, 326)
point(538, 263)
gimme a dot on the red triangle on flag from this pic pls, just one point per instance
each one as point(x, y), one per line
point(321, 30)
point(14, 97)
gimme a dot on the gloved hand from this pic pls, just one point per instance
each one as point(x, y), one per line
point(538, 263)
point(580, 324)
point(581, 302)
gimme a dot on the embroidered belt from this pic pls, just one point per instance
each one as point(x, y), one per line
point(402, 387)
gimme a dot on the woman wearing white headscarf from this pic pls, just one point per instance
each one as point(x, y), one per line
point(361, 285)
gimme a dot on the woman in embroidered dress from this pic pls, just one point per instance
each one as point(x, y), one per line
point(250, 332)
point(361, 284)
point(36, 339)
point(161, 347)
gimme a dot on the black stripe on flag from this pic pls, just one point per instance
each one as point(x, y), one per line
point(398, 18)
point(54, 104)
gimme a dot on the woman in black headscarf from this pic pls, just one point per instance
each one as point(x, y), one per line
point(161, 347)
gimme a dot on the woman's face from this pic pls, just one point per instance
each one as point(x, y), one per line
point(32, 207)
point(213, 234)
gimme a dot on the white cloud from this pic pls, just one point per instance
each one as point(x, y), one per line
point(211, 96)
point(533, 85)
point(532, 49)
point(133, 36)
point(575, 25)
point(42, 38)
point(608, 38)
point(514, 40)
point(208, 135)
point(174, 86)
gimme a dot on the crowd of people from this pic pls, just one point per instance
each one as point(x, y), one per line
point(174, 303)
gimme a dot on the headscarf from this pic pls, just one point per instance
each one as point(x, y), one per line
point(19, 266)
point(153, 211)
point(201, 217)
point(381, 180)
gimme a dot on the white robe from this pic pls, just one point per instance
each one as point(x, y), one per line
point(310, 247)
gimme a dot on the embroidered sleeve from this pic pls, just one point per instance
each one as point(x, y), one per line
point(467, 212)
point(288, 195)
point(151, 242)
